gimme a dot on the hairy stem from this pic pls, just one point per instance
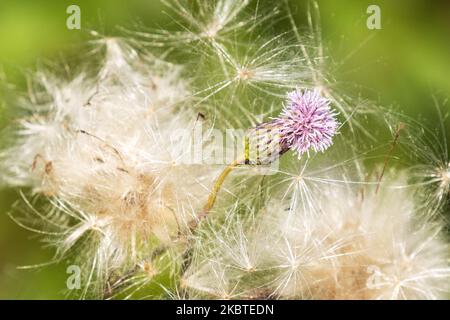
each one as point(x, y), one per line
point(214, 191)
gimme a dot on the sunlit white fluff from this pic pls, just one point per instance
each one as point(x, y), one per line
point(362, 245)
point(206, 22)
point(103, 149)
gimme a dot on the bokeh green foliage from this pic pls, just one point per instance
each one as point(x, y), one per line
point(402, 64)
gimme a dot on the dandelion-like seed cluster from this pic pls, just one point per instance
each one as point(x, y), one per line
point(106, 182)
point(350, 247)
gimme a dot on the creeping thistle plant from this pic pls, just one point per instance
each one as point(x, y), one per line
point(107, 184)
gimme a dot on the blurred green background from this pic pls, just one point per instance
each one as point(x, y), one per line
point(402, 64)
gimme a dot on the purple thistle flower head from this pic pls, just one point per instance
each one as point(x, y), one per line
point(307, 122)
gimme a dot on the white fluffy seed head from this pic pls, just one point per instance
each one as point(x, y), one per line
point(103, 148)
point(362, 245)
